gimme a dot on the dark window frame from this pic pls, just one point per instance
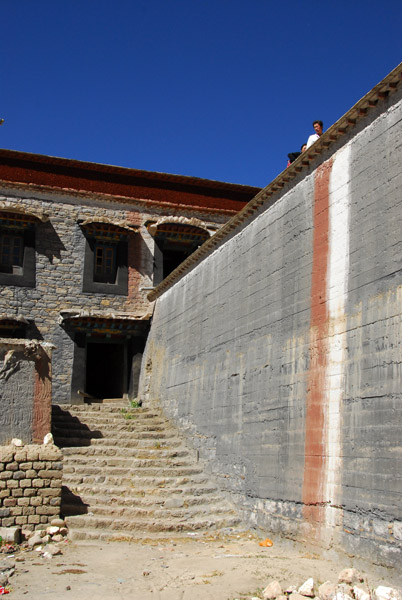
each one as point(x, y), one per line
point(120, 286)
point(26, 277)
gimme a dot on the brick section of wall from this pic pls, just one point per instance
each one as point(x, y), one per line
point(30, 485)
point(279, 354)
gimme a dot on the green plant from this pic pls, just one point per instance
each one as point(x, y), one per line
point(135, 404)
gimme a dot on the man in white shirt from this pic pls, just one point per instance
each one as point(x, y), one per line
point(318, 125)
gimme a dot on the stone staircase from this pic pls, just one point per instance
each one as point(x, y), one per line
point(128, 475)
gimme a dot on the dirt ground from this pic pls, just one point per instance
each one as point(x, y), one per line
point(196, 568)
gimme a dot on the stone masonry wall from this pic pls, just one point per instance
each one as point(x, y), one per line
point(25, 390)
point(30, 485)
point(60, 249)
point(280, 353)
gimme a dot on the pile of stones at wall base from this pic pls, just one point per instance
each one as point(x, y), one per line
point(30, 485)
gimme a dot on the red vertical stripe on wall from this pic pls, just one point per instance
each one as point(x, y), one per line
point(42, 405)
point(315, 434)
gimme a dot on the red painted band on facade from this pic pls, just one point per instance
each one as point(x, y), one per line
point(42, 401)
point(315, 431)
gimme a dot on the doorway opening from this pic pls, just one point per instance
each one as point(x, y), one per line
point(106, 370)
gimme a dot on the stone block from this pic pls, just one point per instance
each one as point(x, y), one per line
point(12, 466)
point(38, 465)
point(37, 483)
point(25, 466)
point(49, 492)
point(26, 483)
point(28, 492)
point(32, 453)
point(19, 475)
point(6, 454)
point(47, 510)
point(8, 522)
point(50, 474)
point(21, 454)
point(12, 483)
point(34, 519)
point(50, 452)
point(7, 502)
point(35, 501)
point(21, 520)
point(17, 493)
point(11, 535)
point(28, 510)
point(23, 501)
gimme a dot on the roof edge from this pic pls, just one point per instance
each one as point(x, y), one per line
point(348, 121)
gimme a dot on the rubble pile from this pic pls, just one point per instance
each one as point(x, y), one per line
point(351, 585)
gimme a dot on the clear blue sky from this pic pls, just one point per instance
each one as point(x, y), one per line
point(220, 89)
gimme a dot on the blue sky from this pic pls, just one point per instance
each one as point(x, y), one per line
point(220, 89)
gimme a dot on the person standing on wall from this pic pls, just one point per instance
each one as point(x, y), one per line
point(318, 125)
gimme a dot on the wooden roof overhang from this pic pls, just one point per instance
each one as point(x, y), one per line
point(108, 327)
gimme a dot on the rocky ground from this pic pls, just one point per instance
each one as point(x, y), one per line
point(226, 567)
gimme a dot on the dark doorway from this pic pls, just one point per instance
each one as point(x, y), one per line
point(106, 369)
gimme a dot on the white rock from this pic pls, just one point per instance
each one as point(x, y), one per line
point(350, 576)
point(387, 593)
point(360, 594)
point(17, 442)
point(58, 522)
point(327, 590)
point(57, 538)
point(34, 540)
point(342, 596)
point(47, 555)
point(272, 590)
point(52, 529)
point(54, 550)
point(307, 588)
point(48, 439)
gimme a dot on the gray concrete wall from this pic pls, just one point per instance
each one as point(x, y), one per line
point(279, 354)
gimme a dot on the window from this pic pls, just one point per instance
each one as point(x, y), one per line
point(11, 253)
point(105, 265)
point(17, 249)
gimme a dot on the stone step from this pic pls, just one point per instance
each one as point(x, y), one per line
point(148, 469)
point(118, 425)
point(106, 418)
point(102, 408)
point(141, 443)
point(75, 464)
point(89, 536)
point(86, 490)
point(140, 481)
point(145, 525)
point(204, 497)
point(182, 514)
point(128, 474)
point(91, 453)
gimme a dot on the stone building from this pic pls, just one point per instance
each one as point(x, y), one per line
point(81, 246)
